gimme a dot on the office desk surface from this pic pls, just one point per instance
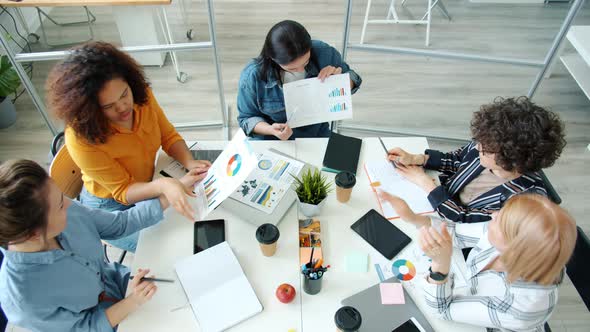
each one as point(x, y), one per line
point(62, 3)
point(338, 239)
point(161, 246)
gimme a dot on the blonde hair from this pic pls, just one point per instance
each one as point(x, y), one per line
point(540, 238)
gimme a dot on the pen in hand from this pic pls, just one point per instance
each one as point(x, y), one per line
point(154, 279)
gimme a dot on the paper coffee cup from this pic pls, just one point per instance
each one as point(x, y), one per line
point(267, 236)
point(345, 181)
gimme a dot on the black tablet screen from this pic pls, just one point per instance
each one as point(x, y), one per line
point(381, 234)
point(208, 233)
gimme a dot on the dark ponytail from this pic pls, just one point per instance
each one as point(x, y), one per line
point(285, 42)
point(23, 200)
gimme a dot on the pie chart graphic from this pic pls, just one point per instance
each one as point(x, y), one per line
point(403, 269)
point(234, 164)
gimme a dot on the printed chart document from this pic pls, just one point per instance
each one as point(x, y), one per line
point(228, 171)
point(217, 288)
point(312, 101)
point(412, 264)
point(269, 182)
point(384, 177)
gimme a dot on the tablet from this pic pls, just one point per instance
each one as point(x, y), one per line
point(208, 233)
point(381, 234)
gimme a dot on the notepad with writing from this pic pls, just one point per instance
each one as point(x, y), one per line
point(217, 289)
point(383, 176)
point(342, 154)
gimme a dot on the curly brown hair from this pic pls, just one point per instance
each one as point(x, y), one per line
point(73, 86)
point(523, 136)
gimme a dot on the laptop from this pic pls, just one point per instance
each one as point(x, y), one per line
point(380, 317)
point(217, 289)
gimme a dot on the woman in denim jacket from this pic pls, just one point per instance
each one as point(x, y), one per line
point(289, 54)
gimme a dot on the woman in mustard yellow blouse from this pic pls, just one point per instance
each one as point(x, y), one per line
point(114, 129)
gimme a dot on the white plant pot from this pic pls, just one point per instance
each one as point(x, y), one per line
point(310, 210)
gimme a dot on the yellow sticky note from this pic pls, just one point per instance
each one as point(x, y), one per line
point(376, 184)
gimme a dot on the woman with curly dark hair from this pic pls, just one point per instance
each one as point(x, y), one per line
point(513, 139)
point(114, 129)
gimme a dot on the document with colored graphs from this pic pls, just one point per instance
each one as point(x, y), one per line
point(312, 101)
point(268, 183)
point(228, 171)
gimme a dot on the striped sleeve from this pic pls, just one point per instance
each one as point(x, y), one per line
point(446, 162)
point(485, 311)
point(464, 235)
point(454, 211)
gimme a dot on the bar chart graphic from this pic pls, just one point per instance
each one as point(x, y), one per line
point(337, 93)
point(338, 108)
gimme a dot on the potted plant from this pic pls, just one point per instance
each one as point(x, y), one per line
point(9, 82)
point(311, 189)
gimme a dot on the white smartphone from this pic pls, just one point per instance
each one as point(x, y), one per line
point(411, 325)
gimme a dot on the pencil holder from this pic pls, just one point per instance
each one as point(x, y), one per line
point(312, 286)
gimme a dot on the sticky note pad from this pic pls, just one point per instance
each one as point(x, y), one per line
point(392, 293)
point(356, 262)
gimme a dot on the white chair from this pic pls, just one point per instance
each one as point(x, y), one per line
point(393, 17)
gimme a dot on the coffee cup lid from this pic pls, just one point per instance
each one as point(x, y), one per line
point(345, 180)
point(267, 234)
point(348, 319)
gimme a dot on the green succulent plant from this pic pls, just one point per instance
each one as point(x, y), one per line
point(312, 188)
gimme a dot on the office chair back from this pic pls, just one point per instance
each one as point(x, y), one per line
point(551, 192)
point(578, 268)
point(66, 173)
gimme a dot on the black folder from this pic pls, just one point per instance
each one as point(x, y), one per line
point(342, 154)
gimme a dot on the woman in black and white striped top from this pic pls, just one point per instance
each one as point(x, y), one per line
point(513, 139)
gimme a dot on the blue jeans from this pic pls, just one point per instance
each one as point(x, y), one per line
point(128, 243)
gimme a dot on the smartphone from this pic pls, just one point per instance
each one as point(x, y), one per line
point(411, 325)
point(208, 233)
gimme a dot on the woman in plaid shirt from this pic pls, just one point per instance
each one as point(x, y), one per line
point(513, 271)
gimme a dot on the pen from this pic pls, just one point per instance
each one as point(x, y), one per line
point(154, 279)
point(387, 151)
point(190, 147)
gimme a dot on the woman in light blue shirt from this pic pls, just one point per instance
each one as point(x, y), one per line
point(54, 277)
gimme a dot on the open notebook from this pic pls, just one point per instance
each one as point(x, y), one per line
point(383, 176)
point(217, 288)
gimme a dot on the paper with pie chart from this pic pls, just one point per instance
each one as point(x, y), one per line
point(228, 171)
point(268, 183)
point(312, 101)
point(413, 262)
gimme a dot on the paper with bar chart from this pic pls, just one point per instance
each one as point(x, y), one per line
point(311, 101)
point(228, 171)
point(269, 182)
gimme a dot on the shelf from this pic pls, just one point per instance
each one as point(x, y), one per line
point(579, 69)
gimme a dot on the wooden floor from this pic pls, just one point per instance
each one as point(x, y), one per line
point(404, 93)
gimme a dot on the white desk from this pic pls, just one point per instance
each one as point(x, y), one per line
point(338, 238)
point(162, 245)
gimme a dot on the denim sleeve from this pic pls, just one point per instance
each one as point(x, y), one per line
point(336, 59)
point(114, 225)
point(52, 319)
point(249, 114)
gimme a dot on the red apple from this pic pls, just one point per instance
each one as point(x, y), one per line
point(285, 293)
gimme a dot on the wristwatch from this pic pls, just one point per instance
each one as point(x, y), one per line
point(437, 276)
